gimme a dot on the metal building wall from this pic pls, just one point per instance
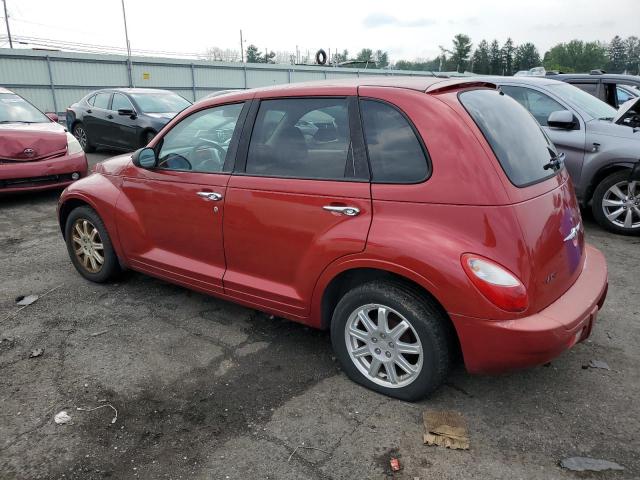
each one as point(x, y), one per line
point(54, 80)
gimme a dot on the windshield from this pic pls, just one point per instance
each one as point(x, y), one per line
point(584, 101)
point(160, 102)
point(518, 142)
point(14, 108)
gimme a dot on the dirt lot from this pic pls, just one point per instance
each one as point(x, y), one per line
point(205, 389)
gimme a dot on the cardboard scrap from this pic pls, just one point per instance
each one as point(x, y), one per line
point(447, 429)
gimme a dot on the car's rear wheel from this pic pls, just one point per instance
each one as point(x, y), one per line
point(616, 204)
point(391, 340)
point(89, 246)
point(80, 132)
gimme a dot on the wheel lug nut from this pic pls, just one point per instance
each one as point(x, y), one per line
point(378, 351)
point(374, 340)
point(382, 335)
point(390, 344)
point(388, 354)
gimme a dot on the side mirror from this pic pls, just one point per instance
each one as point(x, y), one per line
point(127, 112)
point(635, 173)
point(144, 158)
point(52, 116)
point(563, 119)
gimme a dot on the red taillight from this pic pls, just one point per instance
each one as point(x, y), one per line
point(499, 285)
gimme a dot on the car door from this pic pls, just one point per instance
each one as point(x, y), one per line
point(298, 200)
point(569, 142)
point(123, 129)
point(171, 224)
point(95, 119)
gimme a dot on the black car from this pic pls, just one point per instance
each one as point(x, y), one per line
point(609, 87)
point(122, 118)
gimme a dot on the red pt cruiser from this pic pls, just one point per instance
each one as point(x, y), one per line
point(36, 152)
point(411, 217)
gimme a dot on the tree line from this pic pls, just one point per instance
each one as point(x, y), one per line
point(620, 55)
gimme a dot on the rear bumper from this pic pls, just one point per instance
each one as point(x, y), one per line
point(41, 174)
point(498, 346)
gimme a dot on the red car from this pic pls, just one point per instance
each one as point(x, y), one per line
point(36, 152)
point(411, 217)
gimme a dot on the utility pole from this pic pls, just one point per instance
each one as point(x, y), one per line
point(241, 48)
point(126, 36)
point(6, 19)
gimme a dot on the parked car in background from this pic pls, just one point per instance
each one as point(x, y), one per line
point(36, 152)
point(608, 87)
point(412, 217)
point(122, 118)
point(601, 145)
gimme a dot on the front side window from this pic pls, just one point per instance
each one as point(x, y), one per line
point(200, 142)
point(91, 99)
point(14, 108)
point(539, 104)
point(517, 140)
point(589, 104)
point(120, 102)
point(102, 100)
point(395, 153)
point(301, 138)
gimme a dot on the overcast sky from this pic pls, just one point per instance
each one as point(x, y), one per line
point(406, 29)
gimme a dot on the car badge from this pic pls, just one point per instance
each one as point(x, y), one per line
point(28, 152)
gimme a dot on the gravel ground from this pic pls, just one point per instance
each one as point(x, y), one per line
point(205, 389)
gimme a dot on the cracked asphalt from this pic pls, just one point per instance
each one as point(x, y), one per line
point(205, 389)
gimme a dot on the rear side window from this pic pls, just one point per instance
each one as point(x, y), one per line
point(591, 88)
point(102, 100)
point(539, 104)
point(395, 153)
point(514, 135)
point(301, 138)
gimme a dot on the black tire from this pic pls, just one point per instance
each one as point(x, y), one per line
point(621, 177)
point(428, 322)
point(81, 134)
point(110, 268)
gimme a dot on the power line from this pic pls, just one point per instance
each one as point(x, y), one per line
point(6, 21)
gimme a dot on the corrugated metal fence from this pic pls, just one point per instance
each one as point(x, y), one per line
point(54, 80)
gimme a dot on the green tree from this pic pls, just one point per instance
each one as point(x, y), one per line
point(576, 56)
point(495, 58)
point(617, 55)
point(341, 57)
point(254, 55)
point(460, 54)
point(633, 55)
point(365, 55)
point(480, 59)
point(381, 58)
point(508, 50)
point(526, 57)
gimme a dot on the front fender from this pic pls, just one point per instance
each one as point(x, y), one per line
point(101, 193)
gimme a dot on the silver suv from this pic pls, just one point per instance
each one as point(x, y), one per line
point(601, 145)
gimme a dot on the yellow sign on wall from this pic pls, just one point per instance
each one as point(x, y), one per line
point(146, 75)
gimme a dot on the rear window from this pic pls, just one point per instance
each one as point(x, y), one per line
point(514, 135)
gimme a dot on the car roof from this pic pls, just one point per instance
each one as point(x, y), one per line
point(4, 90)
point(521, 80)
point(131, 90)
point(598, 76)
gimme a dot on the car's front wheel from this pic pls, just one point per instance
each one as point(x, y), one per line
point(89, 246)
point(616, 204)
point(80, 132)
point(392, 340)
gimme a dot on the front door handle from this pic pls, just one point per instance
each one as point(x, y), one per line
point(212, 196)
point(345, 210)
point(110, 117)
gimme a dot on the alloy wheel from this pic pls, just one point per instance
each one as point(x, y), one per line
point(87, 245)
point(81, 136)
point(383, 345)
point(621, 204)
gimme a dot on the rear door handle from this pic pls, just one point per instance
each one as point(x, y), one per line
point(211, 196)
point(345, 210)
point(109, 116)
